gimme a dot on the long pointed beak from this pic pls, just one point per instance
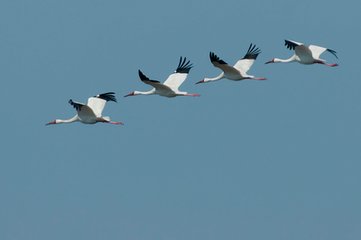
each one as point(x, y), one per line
point(129, 94)
point(269, 62)
point(201, 81)
point(50, 123)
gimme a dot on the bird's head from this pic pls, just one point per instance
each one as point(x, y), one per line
point(201, 81)
point(52, 122)
point(130, 94)
point(271, 61)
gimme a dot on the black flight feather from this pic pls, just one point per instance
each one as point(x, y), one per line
point(109, 96)
point(145, 78)
point(333, 52)
point(76, 105)
point(214, 58)
point(252, 52)
point(183, 66)
point(290, 45)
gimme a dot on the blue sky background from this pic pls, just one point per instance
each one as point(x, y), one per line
point(276, 159)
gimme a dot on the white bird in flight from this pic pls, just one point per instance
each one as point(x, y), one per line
point(239, 70)
point(170, 88)
point(305, 54)
point(91, 112)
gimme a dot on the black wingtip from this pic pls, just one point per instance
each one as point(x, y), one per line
point(290, 45)
point(75, 105)
point(145, 78)
point(184, 66)
point(108, 96)
point(142, 76)
point(252, 52)
point(214, 58)
point(333, 52)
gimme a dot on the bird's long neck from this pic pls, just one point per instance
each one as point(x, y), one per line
point(150, 92)
point(219, 77)
point(291, 59)
point(188, 94)
point(73, 119)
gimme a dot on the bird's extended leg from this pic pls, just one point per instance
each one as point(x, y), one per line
point(115, 123)
point(327, 64)
point(192, 95)
point(259, 78)
point(331, 65)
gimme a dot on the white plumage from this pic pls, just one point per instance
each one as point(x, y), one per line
point(305, 54)
point(91, 112)
point(239, 70)
point(170, 87)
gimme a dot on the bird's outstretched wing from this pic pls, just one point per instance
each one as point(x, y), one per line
point(333, 52)
point(97, 103)
point(109, 96)
point(291, 45)
point(83, 110)
point(247, 61)
point(180, 75)
point(78, 106)
point(219, 63)
point(317, 51)
point(156, 84)
point(302, 51)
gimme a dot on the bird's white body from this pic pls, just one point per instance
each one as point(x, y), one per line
point(305, 54)
point(170, 87)
point(237, 72)
point(90, 113)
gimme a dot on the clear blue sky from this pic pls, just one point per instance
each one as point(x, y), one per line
point(277, 159)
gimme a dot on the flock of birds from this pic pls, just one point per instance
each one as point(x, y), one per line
point(91, 112)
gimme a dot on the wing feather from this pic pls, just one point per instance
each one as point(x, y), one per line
point(317, 51)
point(219, 63)
point(77, 105)
point(97, 103)
point(84, 112)
point(291, 45)
point(252, 52)
point(109, 96)
point(180, 75)
point(156, 84)
point(333, 52)
point(247, 61)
